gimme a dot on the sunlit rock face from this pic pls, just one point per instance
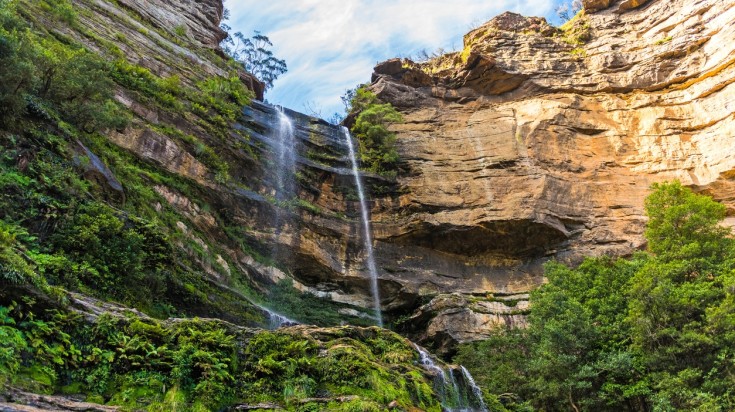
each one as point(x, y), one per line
point(524, 148)
point(533, 143)
point(198, 18)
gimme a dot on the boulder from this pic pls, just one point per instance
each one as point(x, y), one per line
point(595, 5)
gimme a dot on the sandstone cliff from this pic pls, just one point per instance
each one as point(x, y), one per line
point(532, 143)
point(535, 143)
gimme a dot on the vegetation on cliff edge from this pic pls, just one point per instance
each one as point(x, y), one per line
point(63, 227)
point(377, 144)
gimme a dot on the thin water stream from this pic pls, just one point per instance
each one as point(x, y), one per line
point(286, 161)
point(454, 397)
point(366, 228)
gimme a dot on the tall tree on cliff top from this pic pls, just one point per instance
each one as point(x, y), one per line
point(568, 9)
point(255, 55)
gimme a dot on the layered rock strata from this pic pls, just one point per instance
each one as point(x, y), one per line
point(536, 143)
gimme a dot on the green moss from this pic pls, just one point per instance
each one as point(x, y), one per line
point(37, 378)
point(665, 40)
point(322, 157)
point(180, 30)
point(74, 388)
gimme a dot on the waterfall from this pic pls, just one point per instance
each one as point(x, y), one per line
point(276, 321)
point(453, 397)
point(285, 168)
point(446, 392)
point(429, 364)
point(286, 161)
point(475, 389)
point(366, 228)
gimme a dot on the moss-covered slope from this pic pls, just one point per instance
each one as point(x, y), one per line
point(67, 344)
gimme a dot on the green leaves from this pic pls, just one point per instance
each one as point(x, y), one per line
point(683, 225)
point(14, 268)
point(654, 331)
point(681, 296)
point(376, 142)
point(255, 56)
point(45, 77)
point(12, 345)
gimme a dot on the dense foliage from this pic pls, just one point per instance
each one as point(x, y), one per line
point(377, 144)
point(46, 77)
point(652, 332)
point(195, 365)
point(61, 228)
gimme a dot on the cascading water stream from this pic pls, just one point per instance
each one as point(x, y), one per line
point(447, 393)
point(475, 389)
point(453, 398)
point(284, 137)
point(276, 321)
point(366, 228)
point(286, 160)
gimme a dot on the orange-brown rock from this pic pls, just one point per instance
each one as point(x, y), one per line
point(530, 145)
point(594, 5)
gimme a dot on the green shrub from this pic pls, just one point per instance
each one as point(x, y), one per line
point(15, 268)
point(61, 9)
point(104, 252)
point(45, 76)
point(227, 95)
point(12, 345)
point(376, 142)
point(652, 332)
point(135, 78)
point(18, 75)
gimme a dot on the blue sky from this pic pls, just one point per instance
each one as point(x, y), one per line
point(332, 45)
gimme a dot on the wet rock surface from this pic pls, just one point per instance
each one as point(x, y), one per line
point(13, 400)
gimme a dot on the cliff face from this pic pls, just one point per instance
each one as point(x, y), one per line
point(209, 179)
point(532, 143)
point(535, 143)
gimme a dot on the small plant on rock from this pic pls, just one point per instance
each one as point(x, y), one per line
point(377, 143)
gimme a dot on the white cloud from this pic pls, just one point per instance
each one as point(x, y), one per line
point(332, 45)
